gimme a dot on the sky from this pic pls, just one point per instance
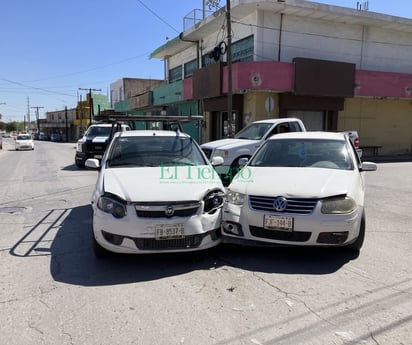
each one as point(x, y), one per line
point(50, 49)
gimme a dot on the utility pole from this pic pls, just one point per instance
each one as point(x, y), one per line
point(37, 118)
point(28, 113)
point(90, 101)
point(229, 68)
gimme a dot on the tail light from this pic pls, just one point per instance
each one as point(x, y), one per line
point(356, 142)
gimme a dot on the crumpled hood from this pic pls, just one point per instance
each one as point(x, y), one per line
point(226, 144)
point(294, 182)
point(161, 183)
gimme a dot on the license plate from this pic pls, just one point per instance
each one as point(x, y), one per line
point(281, 223)
point(98, 156)
point(169, 231)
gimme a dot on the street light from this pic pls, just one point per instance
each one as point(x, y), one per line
point(90, 101)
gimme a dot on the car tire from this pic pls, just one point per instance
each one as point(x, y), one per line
point(99, 251)
point(357, 245)
point(80, 165)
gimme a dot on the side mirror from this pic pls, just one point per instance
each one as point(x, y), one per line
point(92, 163)
point(243, 161)
point(368, 166)
point(216, 161)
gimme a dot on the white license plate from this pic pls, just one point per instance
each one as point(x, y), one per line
point(271, 222)
point(169, 231)
point(98, 156)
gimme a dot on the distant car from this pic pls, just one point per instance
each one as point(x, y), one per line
point(156, 192)
point(44, 137)
point(24, 142)
point(302, 189)
point(56, 137)
point(1, 142)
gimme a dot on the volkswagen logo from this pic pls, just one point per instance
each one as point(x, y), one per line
point(169, 211)
point(280, 204)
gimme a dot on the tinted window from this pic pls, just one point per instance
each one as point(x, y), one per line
point(316, 153)
point(155, 151)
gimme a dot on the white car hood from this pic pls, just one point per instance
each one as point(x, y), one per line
point(294, 182)
point(226, 144)
point(153, 184)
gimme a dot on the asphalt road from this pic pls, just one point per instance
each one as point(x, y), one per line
point(54, 291)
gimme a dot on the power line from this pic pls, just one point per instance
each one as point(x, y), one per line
point(157, 16)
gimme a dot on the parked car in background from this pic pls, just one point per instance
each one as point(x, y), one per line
point(246, 142)
point(56, 137)
point(44, 136)
point(302, 189)
point(1, 142)
point(24, 142)
point(156, 192)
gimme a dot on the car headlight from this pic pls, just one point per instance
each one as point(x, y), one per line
point(338, 205)
point(213, 200)
point(113, 206)
point(79, 147)
point(220, 153)
point(235, 198)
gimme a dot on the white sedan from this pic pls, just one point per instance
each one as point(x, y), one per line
point(156, 192)
point(301, 189)
point(24, 142)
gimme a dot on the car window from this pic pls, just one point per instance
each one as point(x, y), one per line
point(253, 132)
point(155, 151)
point(23, 137)
point(99, 131)
point(317, 153)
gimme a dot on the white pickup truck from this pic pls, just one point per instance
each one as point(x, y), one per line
point(246, 142)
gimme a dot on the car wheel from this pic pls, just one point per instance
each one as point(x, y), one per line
point(99, 251)
point(80, 165)
point(357, 245)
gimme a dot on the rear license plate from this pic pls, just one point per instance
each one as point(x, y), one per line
point(169, 231)
point(281, 223)
point(98, 156)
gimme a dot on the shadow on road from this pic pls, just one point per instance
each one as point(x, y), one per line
point(73, 261)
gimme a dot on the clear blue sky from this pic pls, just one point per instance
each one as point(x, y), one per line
point(50, 49)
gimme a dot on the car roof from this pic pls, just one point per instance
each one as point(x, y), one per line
point(106, 125)
point(148, 132)
point(283, 119)
point(309, 135)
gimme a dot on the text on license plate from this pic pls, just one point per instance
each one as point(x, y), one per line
point(169, 231)
point(271, 222)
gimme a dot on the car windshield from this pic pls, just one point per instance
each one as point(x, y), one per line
point(253, 132)
point(316, 153)
point(99, 131)
point(23, 137)
point(155, 151)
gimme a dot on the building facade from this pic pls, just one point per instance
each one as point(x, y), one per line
point(334, 67)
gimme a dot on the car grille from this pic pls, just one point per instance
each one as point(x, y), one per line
point(96, 147)
point(159, 209)
point(294, 236)
point(207, 152)
point(296, 206)
point(153, 244)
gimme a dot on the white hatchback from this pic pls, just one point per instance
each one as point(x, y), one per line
point(156, 192)
point(24, 142)
point(302, 189)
